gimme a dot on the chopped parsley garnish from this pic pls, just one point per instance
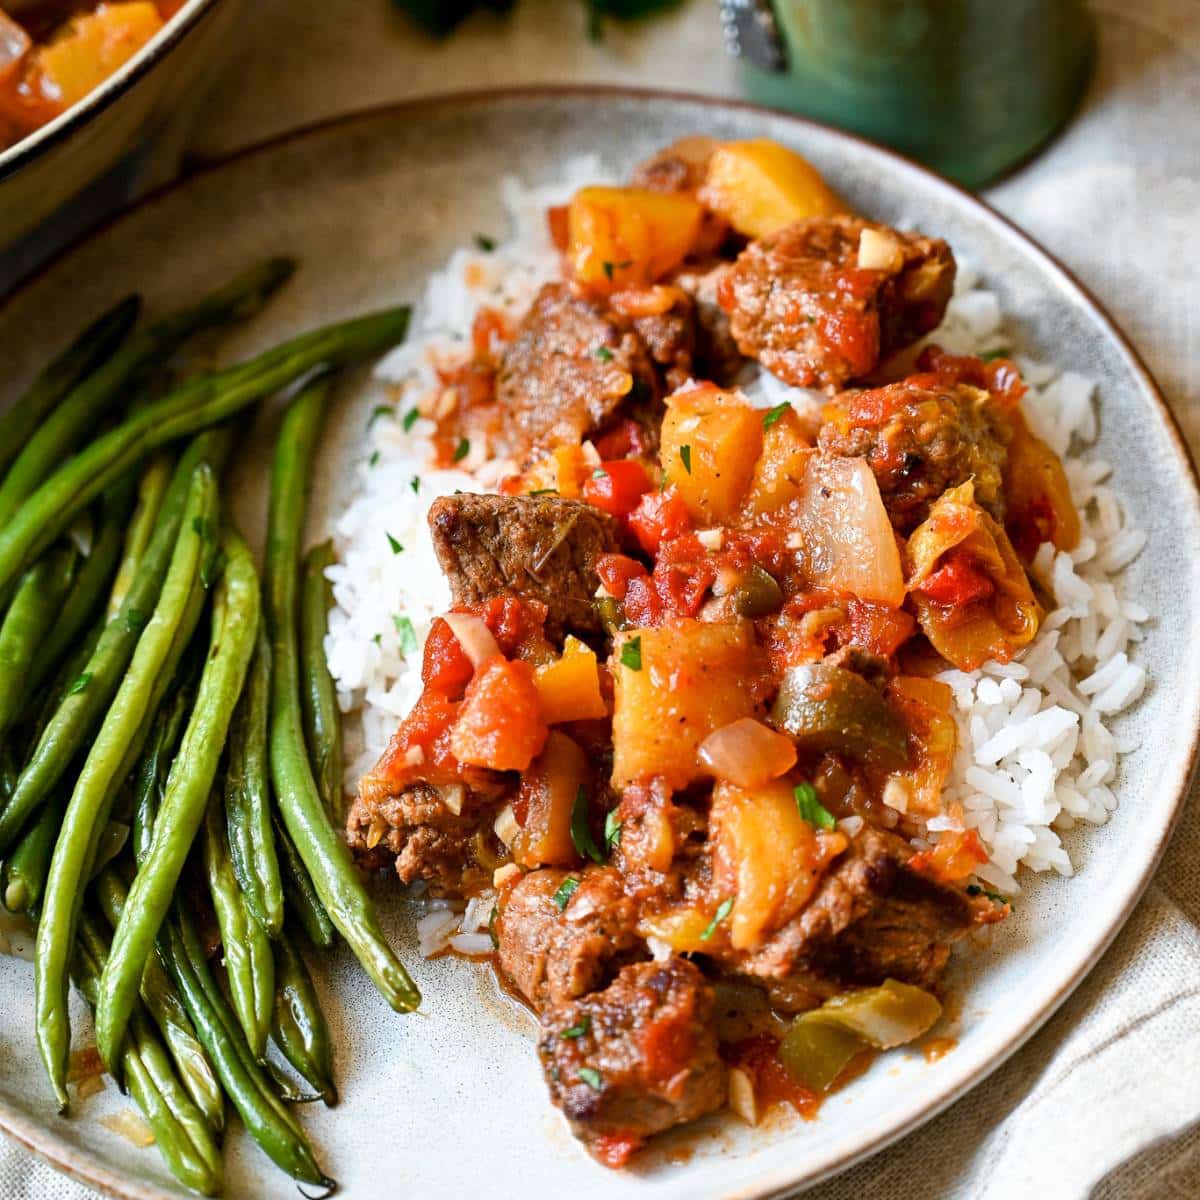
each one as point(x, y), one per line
point(811, 809)
point(599, 473)
point(610, 267)
point(579, 1029)
point(408, 635)
point(395, 545)
point(566, 890)
point(685, 457)
point(773, 414)
point(612, 831)
point(380, 410)
point(492, 927)
point(581, 834)
point(80, 684)
point(592, 1078)
point(378, 639)
point(992, 355)
point(415, 484)
point(543, 492)
point(974, 889)
point(462, 449)
point(373, 461)
point(410, 419)
point(485, 243)
point(631, 653)
point(134, 620)
point(723, 910)
point(604, 354)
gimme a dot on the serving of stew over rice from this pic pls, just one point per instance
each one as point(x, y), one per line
point(726, 612)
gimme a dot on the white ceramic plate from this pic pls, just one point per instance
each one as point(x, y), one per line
point(450, 1102)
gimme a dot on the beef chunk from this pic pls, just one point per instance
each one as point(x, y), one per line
point(635, 1059)
point(555, 955)
point(873, 919)
point(919, 438)
point(422, 834)
point(717, 357)
point(799, 302)
point(670, 338)
point(572, 368)
point(538, 547)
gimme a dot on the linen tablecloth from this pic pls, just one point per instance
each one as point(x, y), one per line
point(1105, 1100)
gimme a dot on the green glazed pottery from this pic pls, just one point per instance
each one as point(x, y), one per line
point(970, 87)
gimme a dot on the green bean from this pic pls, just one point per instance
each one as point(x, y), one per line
point(24, 876)
point(234, 620)
point(165, 1007)
point(80, 412)
point(38, 597)
point(90, 581)
point(245, 1082)
point(299, 1028)
point(182, 1133)
point(84, 354)
point(151, 489)
point(74, 719)
point(109, 759)
point(322, 721)
point(248, 798)
point(196, 405)
point(329, 864)
point(249, 964)
point(300, 892)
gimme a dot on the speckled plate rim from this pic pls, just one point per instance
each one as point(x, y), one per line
point(956, 1080)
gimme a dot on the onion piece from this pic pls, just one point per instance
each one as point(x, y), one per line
point(473, 636)
point(505, 826)
point(741, 1096)
point(453, 795)
point(878, 250)
point(130, 1126)
point(747, 753)
point(849, 545)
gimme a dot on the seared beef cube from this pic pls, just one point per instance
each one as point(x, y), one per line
point(717, 356)
point(420, 830)
point(670, 337)
point(635, 1059)
point(679, 167)
point(920, 438)
point(572, 368)
point(538, 547)
point(800, 303)
point(872, 919)
point(553, 954)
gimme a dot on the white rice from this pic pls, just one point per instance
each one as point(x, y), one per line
point(1036, 754)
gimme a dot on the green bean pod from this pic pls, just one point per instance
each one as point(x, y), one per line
point(80, 412)
point(81, 357)
point(111, 754)
point(248, 798)
point(235, 614)
point(151, 491)
point(318, 696)
point(168, 1012)
point(74, 719)
point(245, 1082)
point(249, 964)
point(33, 609)
point(329, 864)
point(301, 895)
point(196, 405)
point(299, 1028)
point(24, 876)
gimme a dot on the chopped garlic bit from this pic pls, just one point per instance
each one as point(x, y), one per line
point(130, 1126)
point(501, 875)
point(711, 539)
point(375, 834)
point(506, 825)
point(879, 251)
point(414, 756)
point(591, 455)
point(896, 794)
point(741, 1096)
point(453, 796)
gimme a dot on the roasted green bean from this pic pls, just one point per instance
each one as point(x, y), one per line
point(301, 894)
point(109, 760)
point(24, 876)
point(84, 354)
point(235, 613)
point(299, 1028)
point(151, 490)
point(318, 697)
point(329, 864)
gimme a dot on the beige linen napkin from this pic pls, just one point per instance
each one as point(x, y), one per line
point(1105, 1100)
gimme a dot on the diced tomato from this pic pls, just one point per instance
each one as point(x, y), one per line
point(500, 722)
point(556, 221)
point(626, 439)
point(957, 582)
point(953, 859)
point(420, 748)
point(876, 627)
point(489, 329)
point(667, 1046)
point(658, 517)
point(643, 604)
point(445, 667)
point(617, 486)
point(616, 1149)
point(616, 571)
point(683, 574)
point(872, 407)
point(853, 336)
point(514, 622)
point(758, 1057)
point(1000, 376)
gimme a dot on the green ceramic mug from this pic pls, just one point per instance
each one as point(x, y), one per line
point(971, 87)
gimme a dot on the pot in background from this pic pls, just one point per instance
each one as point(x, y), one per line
point(970, 87)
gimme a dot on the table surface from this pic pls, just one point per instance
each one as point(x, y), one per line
point(1115, 197)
